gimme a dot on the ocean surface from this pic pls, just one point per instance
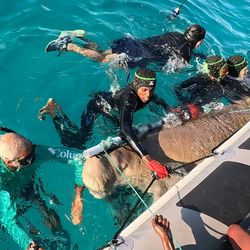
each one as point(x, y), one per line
point(29, 76)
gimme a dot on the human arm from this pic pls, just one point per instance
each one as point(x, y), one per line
point(8, 221)
point(160, 171)
point(188, 85)
point(238, 237)
point(159, 101)
point(161, 227)
point(127, 133)
point(127, 110)
point(189, 89)
point(77, 205)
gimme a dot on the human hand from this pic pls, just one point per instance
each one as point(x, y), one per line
point(161, 226)
point(34, 246)
point(159, 169)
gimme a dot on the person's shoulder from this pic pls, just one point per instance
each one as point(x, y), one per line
point(175, 34)
point(199, 76)
point(129, 97)
point(128, 91)
point(231, 83)
point(235, 84)
point(194, 79)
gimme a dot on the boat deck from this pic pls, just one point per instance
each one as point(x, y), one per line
point(201, 206)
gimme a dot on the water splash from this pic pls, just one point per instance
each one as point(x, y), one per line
point(174, 63)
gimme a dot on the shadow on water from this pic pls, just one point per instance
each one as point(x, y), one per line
point(123, 201)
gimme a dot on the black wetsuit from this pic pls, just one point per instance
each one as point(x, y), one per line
point(156, 49)
point(198, 89)
point(201, 90)
point(235, 89)
point(119, 109)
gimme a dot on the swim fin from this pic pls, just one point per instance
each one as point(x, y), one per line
point(73, 33)
point(60, 44)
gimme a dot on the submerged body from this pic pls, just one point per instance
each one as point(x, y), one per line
point(201, 90)
point(156, 49)
point(19, 189)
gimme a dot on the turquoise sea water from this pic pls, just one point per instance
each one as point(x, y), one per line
point(29, 76)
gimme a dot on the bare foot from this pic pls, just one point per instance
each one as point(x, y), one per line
point(76, 211)
point(50, 108)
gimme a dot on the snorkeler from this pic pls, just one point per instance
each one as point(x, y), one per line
point(206, 86)
point(139, 52)
point(18, 158)
point(236, 83)
point(237, 67)
point(213, 88)
point(119, 109)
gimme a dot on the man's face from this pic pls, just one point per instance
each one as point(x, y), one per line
point(145, 93)
point(243, 73)
point(24, 158)
point(223, 72)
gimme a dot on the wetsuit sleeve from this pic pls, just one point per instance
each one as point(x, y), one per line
point(78, 164)
point(187, 87)
point(128, 107)
point(159, 101)
point(8, 221)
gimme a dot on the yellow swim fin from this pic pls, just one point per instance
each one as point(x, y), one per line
point(73, 33)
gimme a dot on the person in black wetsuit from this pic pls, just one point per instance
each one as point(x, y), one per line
point(236, 84)
point(214, 88)
point(138, 52)
point(124, 103)
point(199, 89)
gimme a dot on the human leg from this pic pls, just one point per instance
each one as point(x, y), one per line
point(64, 43)
point(96, 55)
point(88, 117)
point(71, 135)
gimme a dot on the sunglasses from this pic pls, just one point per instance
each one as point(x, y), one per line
point(28, 159)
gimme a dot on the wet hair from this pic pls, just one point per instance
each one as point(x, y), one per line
point(213, 65)
point(144, 78)
point(194, 34)
point(11, 144)
point(235, 65)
